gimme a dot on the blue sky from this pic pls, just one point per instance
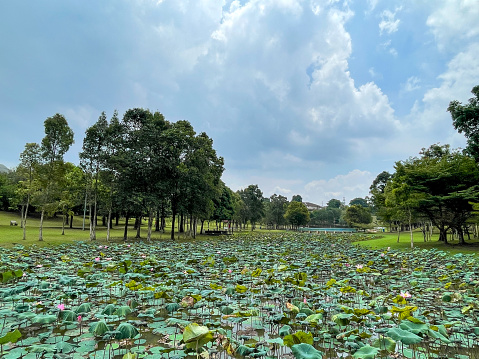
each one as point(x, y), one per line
point(312, 97)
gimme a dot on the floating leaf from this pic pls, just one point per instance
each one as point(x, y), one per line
point(366, 352)
point(306, 351)
point(404, 336)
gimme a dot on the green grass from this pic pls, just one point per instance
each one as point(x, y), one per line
point(384, 240)
point(52, 232)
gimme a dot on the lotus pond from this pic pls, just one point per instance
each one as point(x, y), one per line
point(291, 295)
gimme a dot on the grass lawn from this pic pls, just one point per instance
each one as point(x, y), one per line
point(52, 231)
point(384, 240)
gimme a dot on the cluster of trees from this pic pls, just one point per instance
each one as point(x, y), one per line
point(143, 166)
point(438, 188)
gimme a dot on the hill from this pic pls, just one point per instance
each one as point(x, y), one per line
point(4, 169)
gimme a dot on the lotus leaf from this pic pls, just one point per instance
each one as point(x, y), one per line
point(10, 337)
point(404, 336)
point(315, 319)
point(98, 328)
point(244, 350)
point(366, 352)
point(285, 330)
point(44, 319)
point(122, 311)
point(83, 308)
point(385, 343)
point(126, 331)
point(306, 351)
point(298, 338)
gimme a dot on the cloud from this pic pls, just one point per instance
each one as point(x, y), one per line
point(389, 24)
point(454, 23)
point(412, 84)
point(348, 186)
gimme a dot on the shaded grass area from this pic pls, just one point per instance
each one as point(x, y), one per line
point(52, 232)
point(385, 240)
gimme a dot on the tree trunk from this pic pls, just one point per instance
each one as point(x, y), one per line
point(125, 233)
point(92, 223)
point(150, 224)
point(71, 221)
point(399, 232)
point(63, 224)
point(109, 225)
point(181, 223)
point(40, 236)
point(138, 228)
point(410, 229)
point(25, 214)
point(202, 226)
point(173, 217)
point(157, 224)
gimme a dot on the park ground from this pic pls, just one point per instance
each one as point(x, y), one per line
point(52, 234)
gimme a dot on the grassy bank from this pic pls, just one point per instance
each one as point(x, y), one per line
point(52, 231)
point(385, 240)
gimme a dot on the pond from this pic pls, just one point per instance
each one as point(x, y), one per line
point(286, 295)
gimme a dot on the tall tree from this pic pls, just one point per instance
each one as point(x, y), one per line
point(357, 216)
point(30, 159)
point(297, 214)
point(58, 139)
point(465, 119)
point(276, 209)
point(297, 198)
point(92, 159)
point(440, 185)
point(253, 200)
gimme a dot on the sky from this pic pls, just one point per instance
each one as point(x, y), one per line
point(308, 97)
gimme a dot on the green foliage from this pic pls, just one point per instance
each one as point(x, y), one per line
point(357, 215)
point(297, 214)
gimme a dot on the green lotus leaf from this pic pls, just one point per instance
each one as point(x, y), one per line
point(10, 337)
point(109, 309)
point(385, 343)
point(366, 352)
point(414, 327)
point(285, 330)
point(306, 351)
point(44, 319)
point(98, 328)
point(342, 319)
point(68, 315)
point(404, 336)
point(298, 338)
point(315, 319)
point(130, 356)
point(126, 331)
point(65, 347)
point(241, 288)
point(172, 307)
point(41, 348)
point(83, 308)
point(193, 332)
point(122, 311)
point(227, 310)
point(437, 335)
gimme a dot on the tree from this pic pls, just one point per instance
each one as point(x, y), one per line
point(253, 201)
point(30, 159)
point(297, 198)
point(360, 202)
point(58, 139)
point(440, 185)
point(93, 160)
point(357, 216)
point(334, 203)
point(297, 214)
point(276, 209)
point(465, 119)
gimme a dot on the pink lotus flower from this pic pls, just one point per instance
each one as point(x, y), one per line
point(359, 266)
point(100, 247)
point(382, 254)
point(79, 318)
point(229, 270)
point(39, 265)
point(61, 306)
point(97, 259)
point(405, 295)
point(109, 259)
point(348, 265)
point(389, 248)
point(304, 300)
